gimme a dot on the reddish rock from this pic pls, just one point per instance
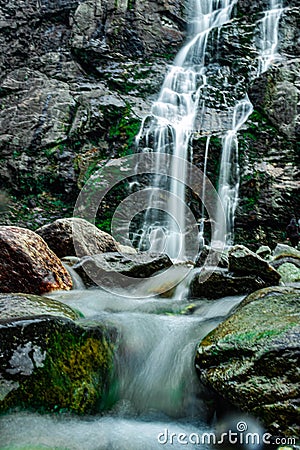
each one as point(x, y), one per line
point(76, 237)
point(28, 265)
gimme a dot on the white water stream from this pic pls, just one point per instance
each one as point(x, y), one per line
point(172, 121)
point(157, 387)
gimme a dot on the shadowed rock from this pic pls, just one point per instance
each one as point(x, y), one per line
point(76, 237)
point(28, 265)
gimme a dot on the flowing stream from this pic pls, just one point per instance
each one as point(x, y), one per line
point(157, 387)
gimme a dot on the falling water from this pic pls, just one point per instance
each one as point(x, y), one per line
point(169, 127)
point(229, 174)
point(228, 189)
point(268, 40)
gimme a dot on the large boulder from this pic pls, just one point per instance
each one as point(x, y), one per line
point(252, 358)
point(289, 272)
point(219, 283)
point(105, 269)
point(74, 236)
point(53, 364)
point(283, 254)
point(28, 265)
point(243, 261)
point(26, 305)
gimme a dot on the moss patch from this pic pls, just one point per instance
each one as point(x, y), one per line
point(73, 373)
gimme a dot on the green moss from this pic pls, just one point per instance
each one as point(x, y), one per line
point(125, 129)
point(74, 374)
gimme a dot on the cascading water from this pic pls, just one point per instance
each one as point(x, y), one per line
point(171, 123)
point(268, 40)
point(156, 386)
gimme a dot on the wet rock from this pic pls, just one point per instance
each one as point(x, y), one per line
point(104, 269)
point(245, 262)
point(284, 254)
point(252, 359)
point(28, 305)
point(212, 257)
point(28, 265)
point(52, 364)
point(264, 251)
point(289, 272)
point(220, 283)
point(76, 237)
point(285, 251)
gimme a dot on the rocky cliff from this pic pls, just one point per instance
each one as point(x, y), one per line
point(78, 76)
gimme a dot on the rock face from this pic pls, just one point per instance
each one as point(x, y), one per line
point(51, 364)
point(76, 237)
point(78, 76)
point(103, 270)
point(251, 359)
point(76, 79)
point(28, 265)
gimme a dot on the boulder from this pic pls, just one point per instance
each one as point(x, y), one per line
point(212, 257)
point(219, 283)
point(284, 254)
point(27, 305)
point(252, 359)
point(285, 251)
point(53, 364)
point(104, 269)
point(243, 261)
point(289, 272)
point(28, 265)
point(77, 237)
point(264, 251)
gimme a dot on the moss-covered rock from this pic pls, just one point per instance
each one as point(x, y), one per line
point(252, 358)
point(26, 305)
point(289, 272)
point(53, 364)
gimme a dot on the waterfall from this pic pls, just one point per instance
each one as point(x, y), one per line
point(229, 174)
point(170, 125)
point(268, 39)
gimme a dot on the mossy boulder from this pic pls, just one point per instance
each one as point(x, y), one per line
point(252, 358)
point(27, 305)
point(54, 364)
point(289, 272)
